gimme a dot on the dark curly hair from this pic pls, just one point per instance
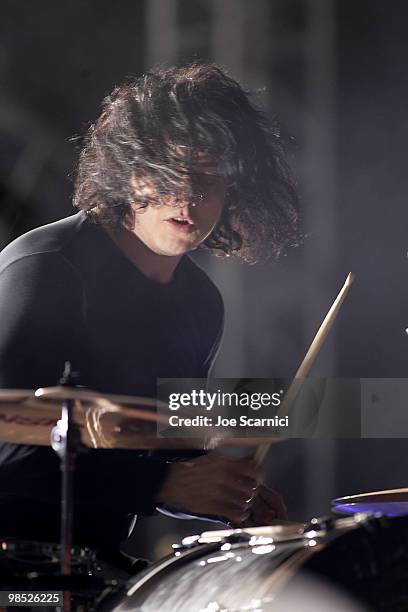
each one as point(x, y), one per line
point(155, 125)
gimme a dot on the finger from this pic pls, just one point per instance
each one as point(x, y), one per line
point(246, 465)
point(230, 498)
point(238, 519)
point(240, 488)
point(273, 500)
point(249, 469)
point(241, 480)
point(261, 513)
point(233, 481)
point(239, 503)
point(234, 516)
point(245, 469)
point(238, 494)
point(249, 522)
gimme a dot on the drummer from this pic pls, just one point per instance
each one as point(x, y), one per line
point(178, 160)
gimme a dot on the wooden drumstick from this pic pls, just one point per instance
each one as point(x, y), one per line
point(308, 360)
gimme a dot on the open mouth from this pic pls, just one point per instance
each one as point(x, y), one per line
point(182, 223)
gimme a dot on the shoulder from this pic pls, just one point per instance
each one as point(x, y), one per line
point(41, 251)
point(35, 264)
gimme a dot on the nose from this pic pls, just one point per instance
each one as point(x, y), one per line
point(187, 202)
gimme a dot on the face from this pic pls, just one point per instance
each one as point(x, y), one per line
point(175, 226)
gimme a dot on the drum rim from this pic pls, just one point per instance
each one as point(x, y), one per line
point(200, 546)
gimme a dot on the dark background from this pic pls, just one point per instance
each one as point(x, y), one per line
point(335, 73)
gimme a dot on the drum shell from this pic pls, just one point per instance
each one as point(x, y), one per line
point(366, 560)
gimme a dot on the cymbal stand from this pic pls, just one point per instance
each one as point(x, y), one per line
point(66, 441)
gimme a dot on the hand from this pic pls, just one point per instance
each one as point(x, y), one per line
point(267, 508)
point(214, 485)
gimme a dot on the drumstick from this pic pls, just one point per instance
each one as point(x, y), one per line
point(308, 360)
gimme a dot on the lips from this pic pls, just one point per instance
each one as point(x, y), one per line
point(181, 223)
point(182, 220)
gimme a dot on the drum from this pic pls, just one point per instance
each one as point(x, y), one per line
point(391, 502)
point(35, 566)
point(352, 563)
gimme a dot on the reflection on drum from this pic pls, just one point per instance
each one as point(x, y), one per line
point(355, 563)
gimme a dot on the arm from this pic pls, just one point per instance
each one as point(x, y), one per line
point(40, 320)
point(41, 327)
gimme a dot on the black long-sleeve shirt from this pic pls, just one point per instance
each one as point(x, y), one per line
point(67, 293)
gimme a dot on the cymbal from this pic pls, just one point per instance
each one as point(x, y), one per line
point(390, 502)
point(104, 421)
point(78, 393)
point(27, 417)
point(24, 419)
point(15, 394)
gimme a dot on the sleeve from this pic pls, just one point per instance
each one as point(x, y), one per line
point(115, 477)
point(40, 320)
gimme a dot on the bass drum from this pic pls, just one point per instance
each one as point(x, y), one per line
point(348, 564)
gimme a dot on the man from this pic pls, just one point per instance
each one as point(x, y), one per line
point(179, 159)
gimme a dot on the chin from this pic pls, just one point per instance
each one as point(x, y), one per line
point(176, 250)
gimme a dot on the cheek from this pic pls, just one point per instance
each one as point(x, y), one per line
point(213, 211)
point(146, 220)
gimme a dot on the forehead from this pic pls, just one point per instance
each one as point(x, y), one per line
point(200, 162)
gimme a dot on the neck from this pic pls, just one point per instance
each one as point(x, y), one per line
point(159, 268)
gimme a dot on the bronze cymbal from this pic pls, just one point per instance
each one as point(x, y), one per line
point(24, 419)
point(85, 394)
point(388, 495)
point(15, 394)
point(27, 417)
point(104, 421)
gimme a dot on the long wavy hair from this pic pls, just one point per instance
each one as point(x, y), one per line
point(154, 126)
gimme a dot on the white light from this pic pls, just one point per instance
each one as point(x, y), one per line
point(209, 540)
point(189, 540)
point(221, 558)
point(259, 540)
point(263, 550)
point(212, 607)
